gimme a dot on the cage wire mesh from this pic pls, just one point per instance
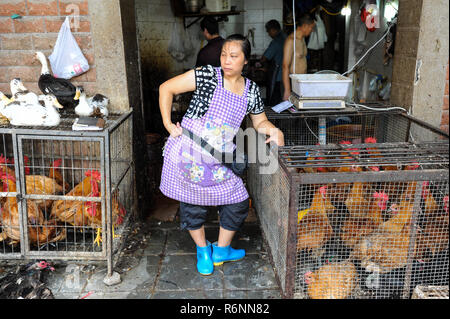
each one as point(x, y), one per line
point(360, 220)
point(71, 191)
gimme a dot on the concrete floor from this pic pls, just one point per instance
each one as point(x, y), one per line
point(159, 261)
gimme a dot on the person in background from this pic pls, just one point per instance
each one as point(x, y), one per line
point(304, 27)
point(221, 100)
point(274, 53)
point(210, 53)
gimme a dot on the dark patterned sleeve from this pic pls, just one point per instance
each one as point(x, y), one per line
point(255, 102)
point(205, 84)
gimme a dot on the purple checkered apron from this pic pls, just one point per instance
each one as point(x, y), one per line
point(190, 174)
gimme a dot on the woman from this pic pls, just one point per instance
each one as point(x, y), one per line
point(222, 97)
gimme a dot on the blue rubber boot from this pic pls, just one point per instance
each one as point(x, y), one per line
point(204, 262)
point(224, 254)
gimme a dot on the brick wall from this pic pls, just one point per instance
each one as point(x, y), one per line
point(37, 30)
point(444, 120)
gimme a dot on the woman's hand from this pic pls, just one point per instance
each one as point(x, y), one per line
point(276, 136)
point(175, 130)
point(286, 95)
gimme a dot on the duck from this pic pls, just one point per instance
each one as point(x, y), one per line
point(63, 89)
point(21, 94)
point(4, 100)
point(83, 108)
point(23, 114)
point(99, 103)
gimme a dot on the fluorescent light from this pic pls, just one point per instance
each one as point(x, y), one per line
point(346, 11)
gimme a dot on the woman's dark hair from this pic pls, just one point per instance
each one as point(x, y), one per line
point(210, 24)
point(245, 44)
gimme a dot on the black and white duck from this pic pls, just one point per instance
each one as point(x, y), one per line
point(63, 89)
point(99, 103)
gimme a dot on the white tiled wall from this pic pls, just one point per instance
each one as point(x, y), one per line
point(258, 12)
point(155, 22)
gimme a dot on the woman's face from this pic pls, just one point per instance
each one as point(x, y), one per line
point(232, 58)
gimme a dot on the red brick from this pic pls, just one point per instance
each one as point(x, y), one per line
point(54, 25)
point(29, 25)
point(90, 58)
point(66, 7)
point(25, 73)
point(44, 42)
point(84, 42)
point(42, 8)
point(11, 58)
point(16, 42)
point(10, 7)
point(444, 128)
point(446, 88)
point(445, 105)
point(444, 120)
point(6, 25)
point(89, 76)
point(5, 88)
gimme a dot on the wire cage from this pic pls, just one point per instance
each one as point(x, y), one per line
point(353, 125)
point(320, 210)
point(66, 194)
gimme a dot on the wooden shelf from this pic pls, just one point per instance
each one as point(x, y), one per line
point(200, 15)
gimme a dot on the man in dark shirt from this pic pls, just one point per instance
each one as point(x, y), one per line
point(274, 53)
point(210, 54)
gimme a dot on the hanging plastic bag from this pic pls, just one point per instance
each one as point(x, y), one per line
point(67, 60)
point(318, 37)
point(176, 46)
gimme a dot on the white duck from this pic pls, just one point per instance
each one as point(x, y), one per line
point(21, 94)
point(99, 104)
point(34, 114)
point(4, 101)
point(83, 108)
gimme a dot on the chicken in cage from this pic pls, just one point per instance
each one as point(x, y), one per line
point(364, 220)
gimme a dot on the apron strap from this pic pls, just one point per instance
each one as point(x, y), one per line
point(203, 144)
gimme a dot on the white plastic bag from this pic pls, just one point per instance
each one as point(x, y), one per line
point(318, 36)
point(67, 60)
point(180, 45)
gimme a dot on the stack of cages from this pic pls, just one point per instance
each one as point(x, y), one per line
point(66, 194)
point(365, 216)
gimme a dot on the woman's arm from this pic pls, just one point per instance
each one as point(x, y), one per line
point(287, 60)
point(180, 84)
point(264, 126)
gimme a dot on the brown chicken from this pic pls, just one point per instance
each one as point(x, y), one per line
point(431, 205)
point(353, 229)
point(332, 281)
point(72, 211)
point(35, 184)
point(434, 235)
point(40, 231)
point(402, 214)
point(42, 185)
point(358, 201)
point(377, 207)
point(383, 251)
point(55, 173)
point(94, 212)
point(314, 228)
